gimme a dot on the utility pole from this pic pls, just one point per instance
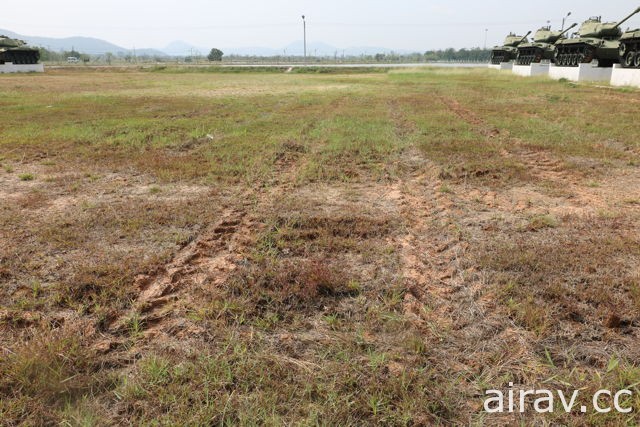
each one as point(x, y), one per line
point(564, 19)
point(304, 29)
point(486, 31)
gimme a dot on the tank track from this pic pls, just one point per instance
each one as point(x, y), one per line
point(20, 57)
point(629, 53)
point(529, 55)
point(573, 55)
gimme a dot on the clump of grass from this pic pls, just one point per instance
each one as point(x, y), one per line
point(540, 222)
point(135, 326)
point(446, 189)
point(284, 287)
point(26, 177)
point(40, 375)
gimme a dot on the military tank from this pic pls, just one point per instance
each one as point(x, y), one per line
point(17, 52)
point(509, 50)
point(629, 50)
point(543, 46)
point(596, 40)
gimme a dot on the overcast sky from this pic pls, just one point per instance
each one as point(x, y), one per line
point(398, 24)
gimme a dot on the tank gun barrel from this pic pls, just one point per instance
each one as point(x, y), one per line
point(567, 30)
point(525, 36)
point(627, 18)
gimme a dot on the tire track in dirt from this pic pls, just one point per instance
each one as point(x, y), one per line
point(447, 299)
point(471, 118)
point(539, 163)
point(167, 296)
point(426, 260)
point(428, 256)
point(206, 262)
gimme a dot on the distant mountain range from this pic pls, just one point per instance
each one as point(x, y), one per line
point(87, 45)
point(94, 46)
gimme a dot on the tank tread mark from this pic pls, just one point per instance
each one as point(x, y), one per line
point(630, 53)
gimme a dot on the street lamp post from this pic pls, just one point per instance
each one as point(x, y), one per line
point(304, 29)
point(564, 19)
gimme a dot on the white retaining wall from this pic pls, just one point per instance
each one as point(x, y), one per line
point(8, 67)
point(625, 76)
point(582, 73)
point(531, 70)
point(502, 66)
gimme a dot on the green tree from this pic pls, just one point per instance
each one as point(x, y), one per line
point(215, 55)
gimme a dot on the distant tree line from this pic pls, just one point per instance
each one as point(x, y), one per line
point(106, 58)
point(216, 55)
point(50, 55)
point(446, 55)
point(472, 55)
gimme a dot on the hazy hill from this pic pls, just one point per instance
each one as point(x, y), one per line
point(96, 46)
point(88, 45)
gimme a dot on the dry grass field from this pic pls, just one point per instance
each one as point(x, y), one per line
point(334, 248)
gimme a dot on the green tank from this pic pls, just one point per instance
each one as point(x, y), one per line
point(17, 52)
point(509, 50)
point(542, 47)
point(596, 40)
point(629, 50)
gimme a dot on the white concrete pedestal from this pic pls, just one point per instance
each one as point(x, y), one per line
point(532, 70)
point(502, 66)
point(625, 76)
point(581, 73)
point(9, 67)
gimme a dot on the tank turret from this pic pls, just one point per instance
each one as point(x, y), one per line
point(594, 27)
point(509, 50)
point(17, 52)
point(545, 35)
point(596, 40)
point(542, 47)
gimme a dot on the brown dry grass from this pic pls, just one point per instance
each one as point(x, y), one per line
point(345, 249)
